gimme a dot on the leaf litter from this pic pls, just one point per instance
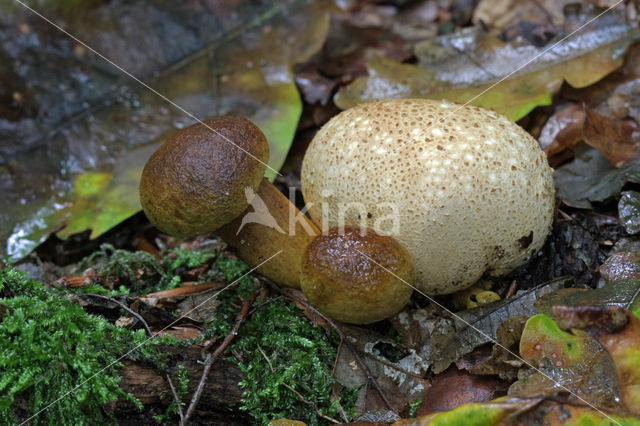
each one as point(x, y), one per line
point(588, 340)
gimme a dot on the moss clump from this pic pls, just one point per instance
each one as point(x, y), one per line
point(281, 350)
point(142, 272)
point(56, 357)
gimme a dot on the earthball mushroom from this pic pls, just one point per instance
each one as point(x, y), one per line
point(464, 189)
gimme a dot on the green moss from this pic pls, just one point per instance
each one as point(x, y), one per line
point(279, 349)
point(53, 352)
point(143, 273)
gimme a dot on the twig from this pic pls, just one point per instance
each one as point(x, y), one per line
point(370, 379)
point(212, 357)
point(300, 397)
point(151, 334)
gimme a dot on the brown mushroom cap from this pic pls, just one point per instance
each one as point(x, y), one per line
point(343, 275)
point(195, 182)
point(471, 191)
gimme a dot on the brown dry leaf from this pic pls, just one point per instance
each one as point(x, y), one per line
point(454, 388)
point(618, 140)
point(499, 362)
point(182, 332)
point(563, 130)
point(164, 298)
point(501, 14)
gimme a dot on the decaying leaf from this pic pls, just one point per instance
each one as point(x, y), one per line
point(620, 337)
point(398, 371)
point(74, 154)
point(443, 72)
point(591, 178)
point(454, 388)
point(439, 341)
point(629, 211)
point(563, 130)
point(618, 140)
point(623, 265)
point(502, 14)
point(522, 411)
point(566, 362)
point(500, 361)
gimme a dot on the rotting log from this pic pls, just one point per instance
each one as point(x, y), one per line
point(219, 403)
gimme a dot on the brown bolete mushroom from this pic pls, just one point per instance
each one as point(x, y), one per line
point(202, 180)
point(357, 276)
point(466, 190)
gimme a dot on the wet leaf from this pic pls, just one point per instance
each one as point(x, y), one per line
point(521, 411)
point(500, 361)
point(454, 388)
point(443, 72)
point(621, 266)
point(566, 361)
point(563, 130)
point(83, 127)
point(441, 341)
point(622, 292)
point(398, 371)
point(629, 211)
point(620, 337)
point(590, 177)
point(490, 413)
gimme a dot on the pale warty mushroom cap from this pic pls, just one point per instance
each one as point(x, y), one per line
point(465, 189)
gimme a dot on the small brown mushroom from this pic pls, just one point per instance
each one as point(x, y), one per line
point(202, 180)
point(356, 275)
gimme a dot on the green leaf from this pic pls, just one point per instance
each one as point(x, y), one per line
point(78, 145)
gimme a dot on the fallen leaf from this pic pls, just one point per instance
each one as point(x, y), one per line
point(439, 341)
point(500, 361)
point(629, 211)
point(521, 411)
point(168, 298)
point(73, 157)
point(398, 371)
point(454, 388)
point(621, 266)
point(490, 413)
point(618, 140)
point(622, 343)
point(624, 293)
point(446, 345)
point(504, 14)
point(563, 130)
point(564, 361)
point(590, 177)
point(443, 72)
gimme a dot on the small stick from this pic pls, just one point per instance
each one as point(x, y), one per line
point(212, 357)
point(512, 290)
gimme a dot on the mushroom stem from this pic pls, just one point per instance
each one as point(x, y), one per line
point(269, 224)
